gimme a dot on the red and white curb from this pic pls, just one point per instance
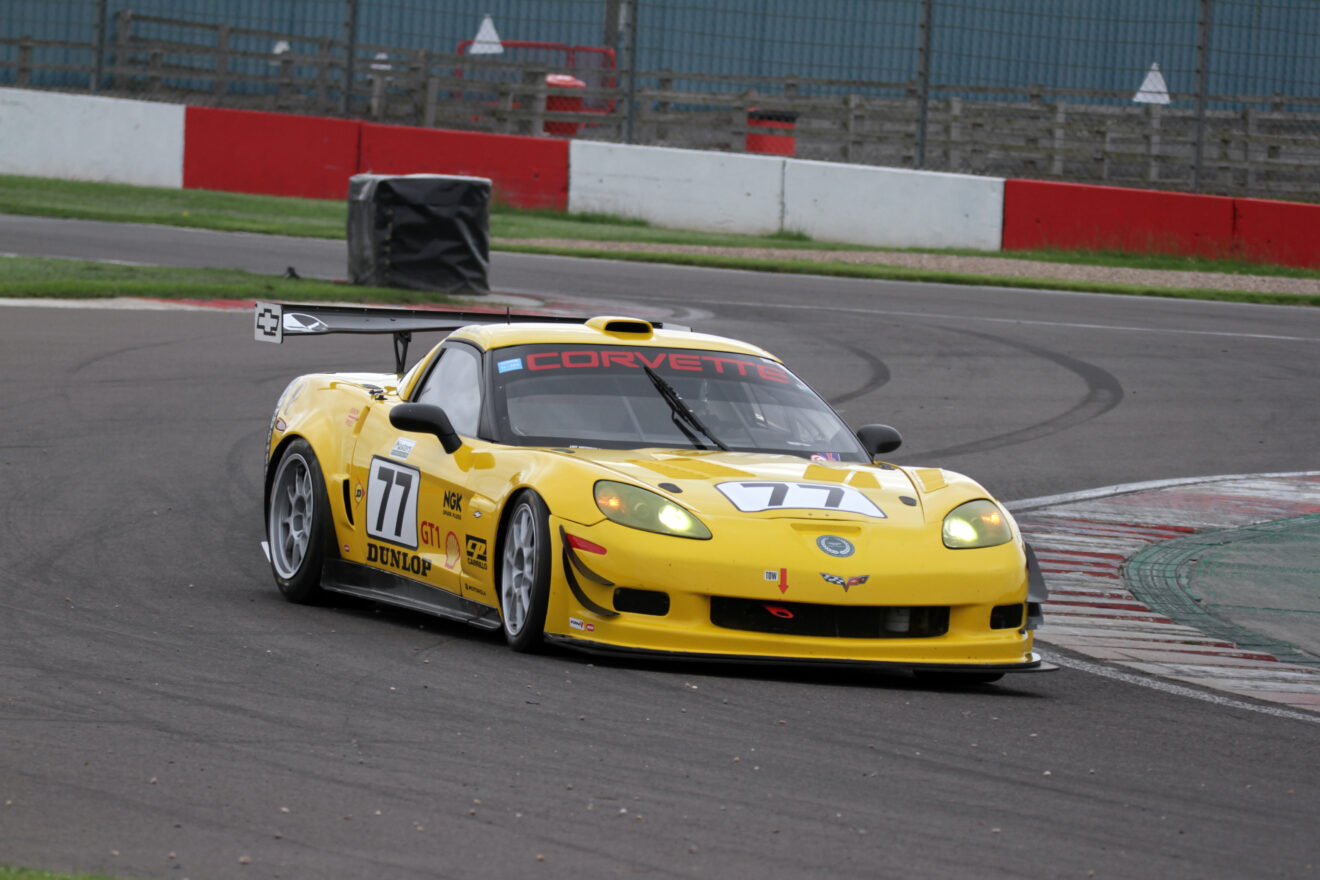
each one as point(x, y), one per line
point(1084, 540)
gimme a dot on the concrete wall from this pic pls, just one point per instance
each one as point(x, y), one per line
point(80, 137)
point(731, 192)
point(687, 189)
point(893, 207)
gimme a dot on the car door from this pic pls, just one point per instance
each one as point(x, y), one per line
point(416, 502)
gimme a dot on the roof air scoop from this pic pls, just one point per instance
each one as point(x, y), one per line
point(616, 326)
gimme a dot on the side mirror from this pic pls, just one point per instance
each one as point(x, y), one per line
point(424, 418)
point(879, 439)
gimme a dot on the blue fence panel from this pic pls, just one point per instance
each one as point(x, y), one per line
point(1257, 47)
point(57, 20)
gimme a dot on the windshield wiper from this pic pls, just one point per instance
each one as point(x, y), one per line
point(681, 411)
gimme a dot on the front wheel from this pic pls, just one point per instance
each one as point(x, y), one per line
point(296, 524)
point(525, 572)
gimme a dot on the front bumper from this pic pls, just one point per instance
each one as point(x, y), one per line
point(962, 592)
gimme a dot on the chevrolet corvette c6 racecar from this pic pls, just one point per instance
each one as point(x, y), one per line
point(617, 486)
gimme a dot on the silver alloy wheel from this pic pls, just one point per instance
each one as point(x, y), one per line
point(518, 574)
point(290, 523)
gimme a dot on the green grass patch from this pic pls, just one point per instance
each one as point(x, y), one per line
point(1167, 262)
point(510, 224)
point(26, 277)
point(498, 213)
point(8, 873)
point(201, 209)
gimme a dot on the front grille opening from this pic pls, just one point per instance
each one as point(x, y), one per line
point(1006, 617)
point(633, 601)
point(829, 621)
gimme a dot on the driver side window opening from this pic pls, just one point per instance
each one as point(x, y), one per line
point(454, 385)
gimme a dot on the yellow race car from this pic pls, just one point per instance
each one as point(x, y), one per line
point(614, 485)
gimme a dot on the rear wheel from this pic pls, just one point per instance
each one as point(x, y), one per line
point(296, 523)
point(525, 572)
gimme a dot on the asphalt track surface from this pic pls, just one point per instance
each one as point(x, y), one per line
point(164, 713)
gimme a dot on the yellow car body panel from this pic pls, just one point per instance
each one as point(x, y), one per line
point(929, 606)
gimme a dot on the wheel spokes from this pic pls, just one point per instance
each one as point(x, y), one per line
point(292, 516)
point(519, 569)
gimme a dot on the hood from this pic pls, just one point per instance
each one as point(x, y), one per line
point(714, 484)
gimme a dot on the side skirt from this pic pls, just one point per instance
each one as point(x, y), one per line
point(364, 582)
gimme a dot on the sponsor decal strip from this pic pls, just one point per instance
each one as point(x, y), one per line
point(696, 362)
point(402, 560)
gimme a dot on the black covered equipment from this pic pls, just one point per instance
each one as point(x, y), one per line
point(419, 231)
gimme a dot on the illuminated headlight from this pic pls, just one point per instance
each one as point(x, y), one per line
point(639, 508)
point(976, 524)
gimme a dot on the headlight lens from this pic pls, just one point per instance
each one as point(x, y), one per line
point(976, 524)
point(640, 508)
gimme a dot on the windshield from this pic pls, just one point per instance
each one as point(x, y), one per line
point(556, 395)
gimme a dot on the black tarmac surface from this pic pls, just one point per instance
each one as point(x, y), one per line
point(164, 713)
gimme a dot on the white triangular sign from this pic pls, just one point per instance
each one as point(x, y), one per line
point(1153, 88)
point(487, 41)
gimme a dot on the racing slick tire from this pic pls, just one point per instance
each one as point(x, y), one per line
point(297, 520)
point(525, 562)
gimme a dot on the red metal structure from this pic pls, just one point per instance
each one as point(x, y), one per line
point(592, 66)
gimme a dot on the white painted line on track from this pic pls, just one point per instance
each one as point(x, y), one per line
point(1169, 687)
point(1071, 325)
point(80, 259)
point(118, 302)
point(1127, 488)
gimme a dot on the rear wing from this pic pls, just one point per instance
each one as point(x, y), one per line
point(272, 322)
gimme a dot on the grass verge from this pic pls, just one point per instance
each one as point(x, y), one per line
point(28, 277)
point(512, 230)
point(900, 273)
point(199, 209)
point(8, 873)
point(319, 218)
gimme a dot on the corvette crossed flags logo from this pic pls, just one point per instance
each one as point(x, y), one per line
point(845, 582)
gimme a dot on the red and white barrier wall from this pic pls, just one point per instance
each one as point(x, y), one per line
point(50, 134)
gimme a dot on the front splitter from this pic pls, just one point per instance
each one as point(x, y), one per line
point(601, 649)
